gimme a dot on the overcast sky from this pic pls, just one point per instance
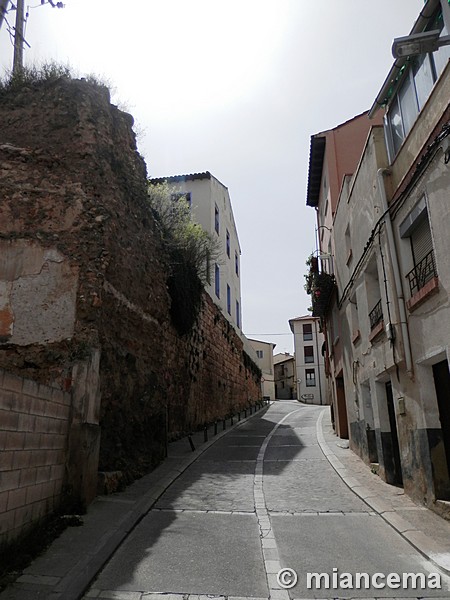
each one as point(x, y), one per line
point(234, 87)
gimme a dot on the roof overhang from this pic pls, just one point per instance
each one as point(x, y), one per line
point(316, 156)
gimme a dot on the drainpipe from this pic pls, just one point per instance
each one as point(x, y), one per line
point(396, 270)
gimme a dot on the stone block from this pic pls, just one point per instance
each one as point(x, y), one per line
point(9, 420)
point(7, 521)
point(21, 459)
point(27, 477)
point(30, 388)
point(6, 399)
point(32, 441)
point(16, 498)
point(26, 423)
point(34, 494)
point(14, 440)
point(12, 383)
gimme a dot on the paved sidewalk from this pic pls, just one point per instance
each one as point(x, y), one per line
point(65, 571)
point(425, 530)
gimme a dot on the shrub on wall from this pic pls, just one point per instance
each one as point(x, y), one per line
point(190, 249)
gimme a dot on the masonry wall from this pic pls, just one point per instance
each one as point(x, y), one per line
point(84, 301)
point(33, 444)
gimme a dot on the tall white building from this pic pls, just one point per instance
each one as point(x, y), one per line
point(211, 207)
point(264, 355)
point(309, 360)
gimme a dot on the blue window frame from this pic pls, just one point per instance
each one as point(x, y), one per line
point(216, 219)
point(228, 299)
point(217, 281)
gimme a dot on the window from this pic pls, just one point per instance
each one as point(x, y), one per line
point(216, 219)
point(310, 377)
point(238, 314)
point(414, 90)
point(308, 354)
point(217, 280)
point(236, 263)
point(373, 293)
point(260, 353)
point(307, 332)
point(175, 196)
point(283, 371)
point(228, 299)
point(228, 243)
point(417, 227)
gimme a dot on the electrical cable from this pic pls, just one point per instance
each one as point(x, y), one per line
point(431, 151)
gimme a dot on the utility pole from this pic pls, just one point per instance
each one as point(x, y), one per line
point(18, 38)
point(3, 9)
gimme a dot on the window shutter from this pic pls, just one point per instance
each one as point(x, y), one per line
point(422, 243)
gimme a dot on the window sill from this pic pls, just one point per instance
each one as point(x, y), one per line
point(429, 289)
point(356, 336)
point(376, 331)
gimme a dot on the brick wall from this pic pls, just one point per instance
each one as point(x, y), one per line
point(207, 377)
point(34, 421)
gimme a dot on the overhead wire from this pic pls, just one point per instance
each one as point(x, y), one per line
point(395, 207)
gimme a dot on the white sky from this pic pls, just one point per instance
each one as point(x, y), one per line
point(234, 87)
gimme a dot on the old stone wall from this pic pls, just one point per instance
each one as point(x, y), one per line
point(84, 301)
point(212, 376)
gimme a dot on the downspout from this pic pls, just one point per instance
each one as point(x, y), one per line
point(396, 270)
point(316, 333)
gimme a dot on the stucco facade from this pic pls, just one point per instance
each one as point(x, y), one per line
point(211, 208)
point(330, 175)
point(264, 360)
point(285, 376)
point(309, 360)
point(391, 314)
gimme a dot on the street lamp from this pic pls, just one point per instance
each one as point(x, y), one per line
point(419, 43)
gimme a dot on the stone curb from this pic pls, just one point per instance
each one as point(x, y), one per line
point(423, 543)
point(74, 584)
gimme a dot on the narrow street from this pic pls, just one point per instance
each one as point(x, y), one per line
point(262, 498)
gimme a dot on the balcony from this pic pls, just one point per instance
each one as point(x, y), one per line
point(422, 273)
point(375, 315)
point(320, 285)
point(322, 293)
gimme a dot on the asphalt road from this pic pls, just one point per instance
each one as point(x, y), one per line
point(264, 498)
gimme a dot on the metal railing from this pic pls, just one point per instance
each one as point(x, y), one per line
point(422, 273)
point(375, 315)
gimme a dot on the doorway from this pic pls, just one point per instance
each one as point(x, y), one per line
point(393, 465)
point(341, 417)
point(441, 377)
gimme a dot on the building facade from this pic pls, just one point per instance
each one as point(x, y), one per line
point(285, 376)
point(264, 355)
point(334, 156)
point(211, 207)
point(309, 347)
point(389, 234)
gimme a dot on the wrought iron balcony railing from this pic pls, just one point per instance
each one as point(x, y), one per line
point(422, 273)
point(375, 315)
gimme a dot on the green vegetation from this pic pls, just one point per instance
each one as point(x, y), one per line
point(191, 250)
point(33, 75)
point(44, 73)
point(182, 236)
